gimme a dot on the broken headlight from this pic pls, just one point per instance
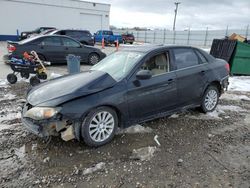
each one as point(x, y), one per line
point(40, 113)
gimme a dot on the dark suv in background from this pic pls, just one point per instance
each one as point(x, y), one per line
point(39, 30)
point(83, 36)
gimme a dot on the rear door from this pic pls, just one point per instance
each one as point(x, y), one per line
point(157, 94)
point(51, 47)
point(191, 75)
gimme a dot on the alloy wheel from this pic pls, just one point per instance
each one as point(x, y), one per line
point(101, 126)
point(211, 99)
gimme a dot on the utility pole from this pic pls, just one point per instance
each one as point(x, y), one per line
point(176, 10)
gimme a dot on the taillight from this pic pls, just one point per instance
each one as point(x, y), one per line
point(227, 66)
point(11, 48)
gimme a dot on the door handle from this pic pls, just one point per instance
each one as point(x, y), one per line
point(170, 80)
point(203, 72)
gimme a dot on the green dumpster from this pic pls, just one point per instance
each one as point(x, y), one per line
point(240, 63)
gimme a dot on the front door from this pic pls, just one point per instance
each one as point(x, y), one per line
point(157, 94)
point(73, 47)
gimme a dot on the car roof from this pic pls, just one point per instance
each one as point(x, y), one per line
point(150, 48)
point(73, 30)
point(45, 36)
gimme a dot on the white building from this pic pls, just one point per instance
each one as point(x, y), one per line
point(26, 15)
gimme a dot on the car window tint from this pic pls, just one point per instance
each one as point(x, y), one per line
point(70, 43)
point(203, 59)
point(185, 58)
point(62, 32)
point(85, 33)
point(51, 41)
point(158, 64)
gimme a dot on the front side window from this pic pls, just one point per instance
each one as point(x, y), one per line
point(158, 64)
point(118, 64)
point(70, 43)
point(185, 57)
point(51, 41)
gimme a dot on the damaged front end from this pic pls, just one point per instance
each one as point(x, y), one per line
point(46, 121)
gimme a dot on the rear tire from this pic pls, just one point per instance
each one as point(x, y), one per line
point(12, 78)
point(34, 80)
point(99, 126)
point(210, 99)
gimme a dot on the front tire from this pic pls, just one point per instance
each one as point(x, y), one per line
point(99, 126)
point(210, 99)
point(93, 58)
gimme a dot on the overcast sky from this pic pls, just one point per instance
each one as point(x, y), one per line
point(196, 14)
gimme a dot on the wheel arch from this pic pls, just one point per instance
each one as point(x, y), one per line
point(215, 83)
point(113, 107)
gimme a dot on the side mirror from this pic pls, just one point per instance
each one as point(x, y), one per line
point(144, 75)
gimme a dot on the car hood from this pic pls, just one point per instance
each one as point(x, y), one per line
point(63, 89)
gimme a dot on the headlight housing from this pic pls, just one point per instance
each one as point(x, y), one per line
point(41, 113)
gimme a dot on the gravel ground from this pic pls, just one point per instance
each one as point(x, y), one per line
point(195, 150)
point(188, 149)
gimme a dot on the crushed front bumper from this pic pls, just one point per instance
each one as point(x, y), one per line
point(43, 128)
point(50, 127)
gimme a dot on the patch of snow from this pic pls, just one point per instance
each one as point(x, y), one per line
point(97, 167)
point(8, 97)
point(208, 116)
point(215, 115)
point(9, 116)
point(239, 83)
point(143, 154)
point(234, 97)
point(230, 108)
point(135, 129)
point(206, 50)
point(174, 116)
point(4, 83)
point(54, 75)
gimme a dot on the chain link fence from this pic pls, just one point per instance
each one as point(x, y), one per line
point(200, 38)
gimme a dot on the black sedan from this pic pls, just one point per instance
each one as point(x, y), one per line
point(127, 87)
point(55, 48)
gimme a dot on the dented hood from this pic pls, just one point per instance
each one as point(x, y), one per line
point(63, 89)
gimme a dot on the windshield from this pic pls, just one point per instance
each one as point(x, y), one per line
point(118, 64)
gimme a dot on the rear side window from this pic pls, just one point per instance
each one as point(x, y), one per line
point(107, 33)
point(203, 59)
point(185, 57)
point(51, 41)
